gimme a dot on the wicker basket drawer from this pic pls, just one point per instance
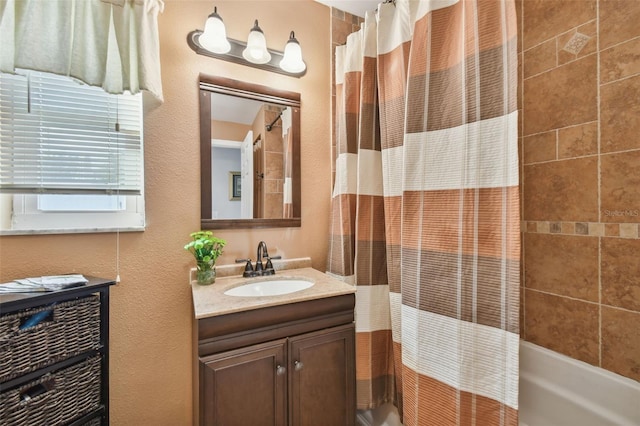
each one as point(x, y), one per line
point(55, 398)
point(71, 328)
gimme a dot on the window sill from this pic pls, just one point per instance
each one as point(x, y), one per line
point(70, 231)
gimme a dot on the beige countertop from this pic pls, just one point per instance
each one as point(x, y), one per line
point(210, 300)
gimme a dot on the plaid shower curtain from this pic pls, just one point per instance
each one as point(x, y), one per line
point(426, 208)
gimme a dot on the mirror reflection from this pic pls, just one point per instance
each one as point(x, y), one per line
point(250, 159)
point(250, 134)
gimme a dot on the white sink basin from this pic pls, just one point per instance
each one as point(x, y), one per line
point(269, 288)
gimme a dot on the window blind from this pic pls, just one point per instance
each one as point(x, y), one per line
point(58, 136)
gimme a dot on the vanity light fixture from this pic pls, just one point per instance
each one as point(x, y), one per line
point(213, 42)
point(256, 50)
point(214, 37)
point(292, 61)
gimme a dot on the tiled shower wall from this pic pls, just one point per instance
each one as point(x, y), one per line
point(579, 100)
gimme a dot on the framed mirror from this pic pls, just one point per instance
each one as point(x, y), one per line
point(249, 155)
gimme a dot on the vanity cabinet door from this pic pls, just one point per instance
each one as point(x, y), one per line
point(322, 378)
point(245, 386)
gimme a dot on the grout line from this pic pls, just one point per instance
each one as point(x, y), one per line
point(599, 189)
point(627, 77)
point(631, 311)
point(559, 66)
point(561, 128)
point(621, 42)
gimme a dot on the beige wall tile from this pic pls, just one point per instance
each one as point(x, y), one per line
point(620, 187)
point(561, 324)
point(540, 147)
point(562, 190)
point(545, 19)
point(621, 273)
point(621, 342)
point(562, 264)
point(618, 21)
point(619, 114)
point(577, 141)
point(620, 61)
point(561, 97)
point(540, 58)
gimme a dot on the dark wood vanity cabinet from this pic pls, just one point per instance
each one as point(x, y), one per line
point(284, 365)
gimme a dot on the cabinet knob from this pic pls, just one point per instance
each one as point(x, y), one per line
point(298, 365)
point(280, 370)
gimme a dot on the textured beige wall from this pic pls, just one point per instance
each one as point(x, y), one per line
point(227, 130)
point(151, 311)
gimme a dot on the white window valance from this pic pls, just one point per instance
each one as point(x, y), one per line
point(112, 44)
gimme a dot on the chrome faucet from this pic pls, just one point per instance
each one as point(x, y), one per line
point(260, 269)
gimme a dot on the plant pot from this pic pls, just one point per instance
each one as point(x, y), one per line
point(206, 277)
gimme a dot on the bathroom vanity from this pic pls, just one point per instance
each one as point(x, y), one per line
point(276, 360)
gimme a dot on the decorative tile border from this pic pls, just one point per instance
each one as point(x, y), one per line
point(592, 229)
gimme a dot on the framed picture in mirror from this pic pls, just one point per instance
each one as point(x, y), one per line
point(234, 186)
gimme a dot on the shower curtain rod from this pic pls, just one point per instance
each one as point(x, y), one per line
point(270, 126)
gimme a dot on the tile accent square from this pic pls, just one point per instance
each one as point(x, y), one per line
point(582, 228)
point(628, 230)
point(568, 228)
point(612, 230)
point(596, 229)
point(576, 43)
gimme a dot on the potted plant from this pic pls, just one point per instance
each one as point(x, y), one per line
point(205, 248)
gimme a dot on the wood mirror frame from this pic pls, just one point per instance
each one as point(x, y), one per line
point(211, 84)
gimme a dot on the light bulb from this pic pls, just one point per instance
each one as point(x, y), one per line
point(256, 51)
point(292, 61)
point(214, 37)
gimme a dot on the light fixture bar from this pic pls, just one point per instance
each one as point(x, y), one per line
point(235, 55)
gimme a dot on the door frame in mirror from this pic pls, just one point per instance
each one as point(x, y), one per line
point(227, 86)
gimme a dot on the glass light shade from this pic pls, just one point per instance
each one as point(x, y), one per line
point(214, 37)
point(256, 51)
point(292, 61)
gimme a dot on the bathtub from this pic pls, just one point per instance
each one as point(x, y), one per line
point(556, 390)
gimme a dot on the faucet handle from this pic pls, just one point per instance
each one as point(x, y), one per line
point(268, 269)
point(248, 268)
